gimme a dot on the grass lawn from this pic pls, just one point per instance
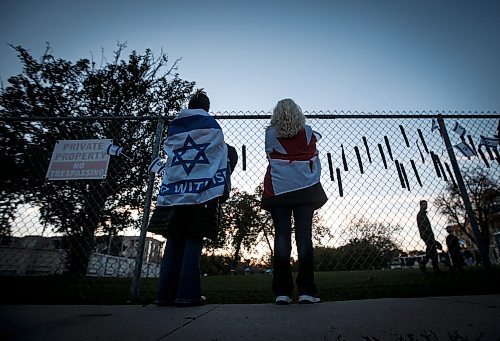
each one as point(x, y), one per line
point(332, 286)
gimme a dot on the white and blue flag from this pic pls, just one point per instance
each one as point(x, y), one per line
point(491, 142)
point(196, 167)
point(435, 125)
point(458, 129)
point(114, 149)
point(157, 165)
point(465, 149)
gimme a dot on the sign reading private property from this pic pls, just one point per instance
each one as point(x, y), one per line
point(79, 159)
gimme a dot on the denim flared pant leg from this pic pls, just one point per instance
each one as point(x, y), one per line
point(170, 270)
point(180, 271)
point(189, 288)
point(303, 215)
point(282, 272)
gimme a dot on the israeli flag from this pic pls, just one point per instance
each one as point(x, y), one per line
point(196, 166)
point(157, 165)
point(491, 142)
point(465, 149)
point(435, 125)
point(458, 129)
point(114, 150)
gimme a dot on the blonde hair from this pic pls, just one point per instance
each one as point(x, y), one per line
point(287, 118)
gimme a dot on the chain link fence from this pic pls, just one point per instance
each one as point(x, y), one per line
point(376, 168)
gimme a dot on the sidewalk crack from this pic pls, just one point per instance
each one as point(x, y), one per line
point(190, 320)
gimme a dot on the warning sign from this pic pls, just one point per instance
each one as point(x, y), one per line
point(79, 159)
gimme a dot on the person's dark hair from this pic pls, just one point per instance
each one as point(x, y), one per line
point(199, 100)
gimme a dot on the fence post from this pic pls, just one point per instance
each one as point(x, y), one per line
point(134, 289)
point(483, 249)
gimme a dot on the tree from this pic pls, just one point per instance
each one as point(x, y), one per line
point(71, 98)
point(246, 226)
point(483, 192)
point(370, 245)
point(242, 221)
point(326, 258)
point(215, 264)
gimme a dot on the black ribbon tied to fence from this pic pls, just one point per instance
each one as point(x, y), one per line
point(488, 149)
point(471, 143)
point(365, 142)
point(436, 167)
point(344, 160)
point(416, 172)
point(440, 165)
point(382, 155)
point(420, 152)
point(485, 160)
point(358, 156)
point(388, 145)
point(404, 135)
point(400, 174)
point(497, 155)
point(423, 140)
point(450, 174)
point(244, 157)
point(405, 176)
point(339, 179)
point(330, 166)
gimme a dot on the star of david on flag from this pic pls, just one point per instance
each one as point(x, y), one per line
point(181, 153)
point(465, 149)
point(196, 169)
point(491, 142)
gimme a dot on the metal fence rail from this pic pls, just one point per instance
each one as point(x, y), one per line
point(375, 170)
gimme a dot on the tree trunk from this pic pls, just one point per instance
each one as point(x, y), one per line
point(81, 244)
point(236, 255)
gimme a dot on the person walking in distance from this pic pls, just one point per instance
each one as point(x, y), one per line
point(453, 244)
point(425, 230)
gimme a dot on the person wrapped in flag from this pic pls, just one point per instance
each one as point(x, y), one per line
point(194, 177)
point(292, 187)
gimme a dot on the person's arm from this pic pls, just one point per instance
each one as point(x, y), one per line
point(232, 156)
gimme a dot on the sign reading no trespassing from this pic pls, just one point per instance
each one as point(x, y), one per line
point(79, 159)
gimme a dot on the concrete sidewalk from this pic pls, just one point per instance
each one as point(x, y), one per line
point(435, 318)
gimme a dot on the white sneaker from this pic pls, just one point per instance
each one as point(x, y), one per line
point(283, 300)
point(307, 299)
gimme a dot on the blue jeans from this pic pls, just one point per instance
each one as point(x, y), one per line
point(180, 271)
point(282, 272)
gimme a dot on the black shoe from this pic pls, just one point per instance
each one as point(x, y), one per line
point(182, 304)
point(422, 267)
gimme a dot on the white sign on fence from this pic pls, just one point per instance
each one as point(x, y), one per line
point(79, 159)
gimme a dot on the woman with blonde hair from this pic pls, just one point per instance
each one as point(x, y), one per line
point(292, 187)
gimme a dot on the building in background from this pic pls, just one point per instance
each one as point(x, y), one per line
point(112, 257)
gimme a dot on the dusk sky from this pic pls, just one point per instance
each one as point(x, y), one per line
point(360, 55)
